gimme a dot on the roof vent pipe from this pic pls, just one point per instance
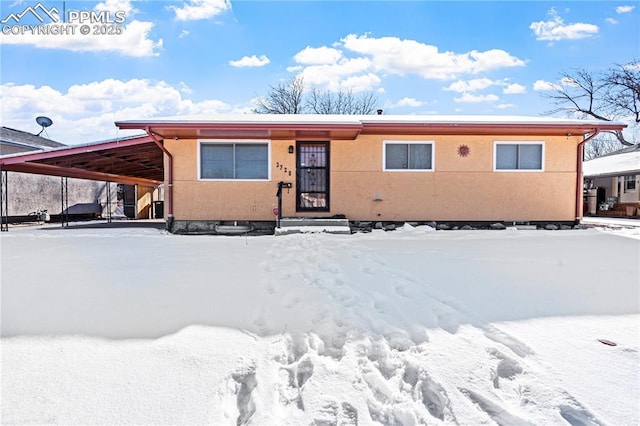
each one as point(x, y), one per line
point(379, 112)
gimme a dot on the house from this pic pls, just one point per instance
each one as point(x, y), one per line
point(14, 141)
point(612, 183)
point(229, 169)
point(60, 190)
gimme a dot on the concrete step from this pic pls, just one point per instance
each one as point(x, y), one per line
point(296, 225)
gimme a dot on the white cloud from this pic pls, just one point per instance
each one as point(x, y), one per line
point(360, 83)
point(514, 89)
point(541, 85)
point(87, 112)
point(407, 102)
point(250, 61)
point(113, 6)
point(396, 56)
point(555, 29)
point(611, 21)
point(183, 34)
point(134, 40)
point(468, 98)
point(478, 84)
point(474, 85)
point(504, 106)
point(317, 56)
point(360, 62)
point(331, 76)
point(184, 88)
point(200, 9)
point(624, 9)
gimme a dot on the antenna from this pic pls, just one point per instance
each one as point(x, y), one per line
point(44, 122)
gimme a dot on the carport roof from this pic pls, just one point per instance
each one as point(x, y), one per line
point(132, 160)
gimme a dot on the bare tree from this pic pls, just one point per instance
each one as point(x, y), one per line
point(341, 102)
point(288, 97)
point(602, 145)
point(608, 96)
point(285, 98)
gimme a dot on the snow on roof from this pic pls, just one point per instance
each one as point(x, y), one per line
point(613, 165)
point(369, 119)
point(63, 147)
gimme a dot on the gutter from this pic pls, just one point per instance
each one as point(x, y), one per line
point(169, 192)
point(579, 177)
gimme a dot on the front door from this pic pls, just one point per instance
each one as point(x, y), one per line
point(312, 181)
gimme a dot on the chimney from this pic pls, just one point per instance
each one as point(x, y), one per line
point(379, 112)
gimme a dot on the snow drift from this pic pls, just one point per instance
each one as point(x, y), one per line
point(136, 326)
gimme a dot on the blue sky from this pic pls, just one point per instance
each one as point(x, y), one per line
point(214, 56)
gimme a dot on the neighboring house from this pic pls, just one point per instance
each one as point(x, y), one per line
point(372, 168)
point(29, 193)
point(15, 141)
point(612, 182)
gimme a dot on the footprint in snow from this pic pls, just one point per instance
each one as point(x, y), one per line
point(247, 383)
point(495, 411)
point(427, 391)
point(518, 347)
point(577, 416)
point(507, 368)
point(333, 413)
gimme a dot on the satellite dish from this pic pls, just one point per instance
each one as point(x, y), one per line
point(44, 122)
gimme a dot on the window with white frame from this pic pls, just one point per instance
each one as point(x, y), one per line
point(231, 160)
point(528, 156)
point(629, 183)
point(407, 156)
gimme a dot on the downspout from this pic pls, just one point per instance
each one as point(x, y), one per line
point(169, 191)
point(579, 178)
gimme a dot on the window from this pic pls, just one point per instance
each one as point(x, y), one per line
point(229, 161)
point(407, 156)
point(519, 156)
point(629, 183)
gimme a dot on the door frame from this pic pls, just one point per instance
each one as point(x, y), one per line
point(300, 169)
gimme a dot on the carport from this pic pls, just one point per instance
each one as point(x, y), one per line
point(136, 160)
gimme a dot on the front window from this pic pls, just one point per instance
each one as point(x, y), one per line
point(234, 160)
point(519, 156)
point(629, 183)
point(408, 156)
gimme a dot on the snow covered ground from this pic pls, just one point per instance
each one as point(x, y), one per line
point(137, 326)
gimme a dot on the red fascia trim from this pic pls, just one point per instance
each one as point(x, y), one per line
point(63, 152)
point(460, 127)
point(241, 126)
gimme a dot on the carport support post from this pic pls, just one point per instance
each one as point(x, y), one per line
point(108, 201)
point(4, 201)
point(64, 199)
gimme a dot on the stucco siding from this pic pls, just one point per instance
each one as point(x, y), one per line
point(458, 188)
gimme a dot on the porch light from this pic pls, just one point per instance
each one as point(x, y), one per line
point(290, 149)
